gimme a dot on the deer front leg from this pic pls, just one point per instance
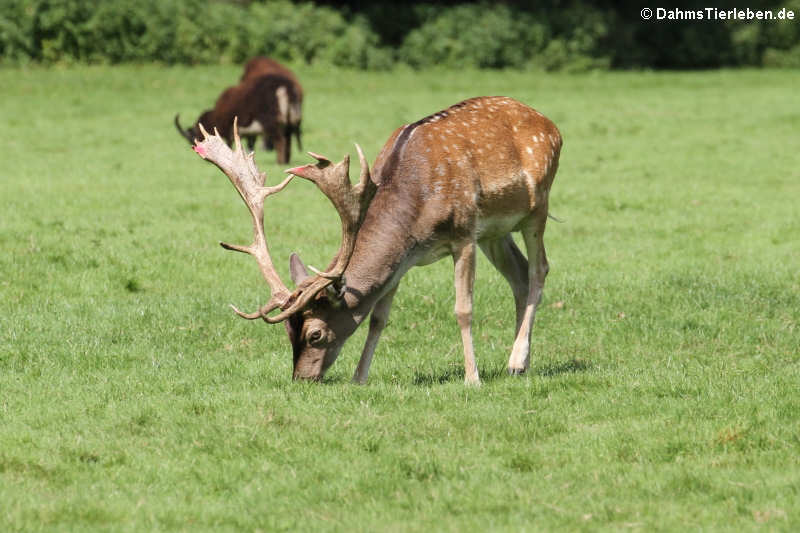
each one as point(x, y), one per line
point(464, 259)
point(533, 234)
point(377, 321)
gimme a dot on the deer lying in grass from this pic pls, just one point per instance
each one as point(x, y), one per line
point(455, 181)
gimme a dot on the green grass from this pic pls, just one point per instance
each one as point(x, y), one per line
point(665, 388)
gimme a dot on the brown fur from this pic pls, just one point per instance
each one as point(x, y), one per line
point(466, 176)
point(264, 66)
point(252, 100)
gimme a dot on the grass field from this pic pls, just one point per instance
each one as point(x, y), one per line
point(665, 388)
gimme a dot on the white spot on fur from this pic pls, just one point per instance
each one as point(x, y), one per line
point(253, 128)
point(282, 96)
point(529, 149)
point(529, 180)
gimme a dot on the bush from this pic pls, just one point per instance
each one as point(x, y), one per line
point(475, 36)
point(552, 34)
point(183, 31)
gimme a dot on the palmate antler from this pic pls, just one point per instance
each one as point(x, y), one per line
point(333, 180)
point(350, 202)
point(249, 182)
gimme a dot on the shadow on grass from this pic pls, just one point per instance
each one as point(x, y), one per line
point(556, 368)
point(456, 373)
point(437, 376)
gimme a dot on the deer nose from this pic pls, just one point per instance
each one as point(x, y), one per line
point(307, 372)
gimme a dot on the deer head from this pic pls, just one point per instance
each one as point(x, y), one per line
point(306, 311)
point(190, 134)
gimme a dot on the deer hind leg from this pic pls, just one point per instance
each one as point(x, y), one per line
point(464, 259)
point(509, 261)
point(279, 142)
point(533, 233)
point(377, 321)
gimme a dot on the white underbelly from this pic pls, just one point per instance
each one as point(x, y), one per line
point(487, 229)
point(497, 226)
point(434, 254)
point(254, 128)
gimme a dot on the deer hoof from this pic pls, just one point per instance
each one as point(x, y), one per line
point(516, 371)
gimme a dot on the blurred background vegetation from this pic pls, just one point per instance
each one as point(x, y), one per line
point(546, 35)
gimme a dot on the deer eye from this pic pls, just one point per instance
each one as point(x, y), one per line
point(315, 336)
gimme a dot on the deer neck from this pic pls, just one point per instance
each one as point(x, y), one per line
point(384, 250)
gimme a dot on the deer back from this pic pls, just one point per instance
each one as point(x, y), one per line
point(269, 99)
point(474, 170)
point(263, 66)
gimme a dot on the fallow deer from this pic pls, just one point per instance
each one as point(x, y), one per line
point(460, 179)
point(262, 66)
point(266, 106)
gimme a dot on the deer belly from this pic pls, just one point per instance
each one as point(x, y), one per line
point(253, 128)
point(494, 227)
point(487, 229)
point(434, 253)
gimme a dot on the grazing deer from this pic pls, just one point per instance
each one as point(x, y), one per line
point(262, 66)
point(457, 180)
point(266, 106)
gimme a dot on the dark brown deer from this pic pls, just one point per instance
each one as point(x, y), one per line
point(264, 106)
point(455, 181)
point(262, 66)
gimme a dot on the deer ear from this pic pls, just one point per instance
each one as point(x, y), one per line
point(297, 269)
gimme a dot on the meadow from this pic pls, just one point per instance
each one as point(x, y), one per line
point(664, 393)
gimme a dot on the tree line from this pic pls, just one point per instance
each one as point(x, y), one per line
point(550, 35)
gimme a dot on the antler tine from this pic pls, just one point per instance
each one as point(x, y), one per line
point(364, 177)
point(261, 313)
point(237, 142)
point(249, 183)
point(203, 131)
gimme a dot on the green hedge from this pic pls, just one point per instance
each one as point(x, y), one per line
point(553, 35)
point(183, 31)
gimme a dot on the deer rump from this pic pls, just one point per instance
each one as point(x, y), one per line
point(267, 105)
point(265, 66)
